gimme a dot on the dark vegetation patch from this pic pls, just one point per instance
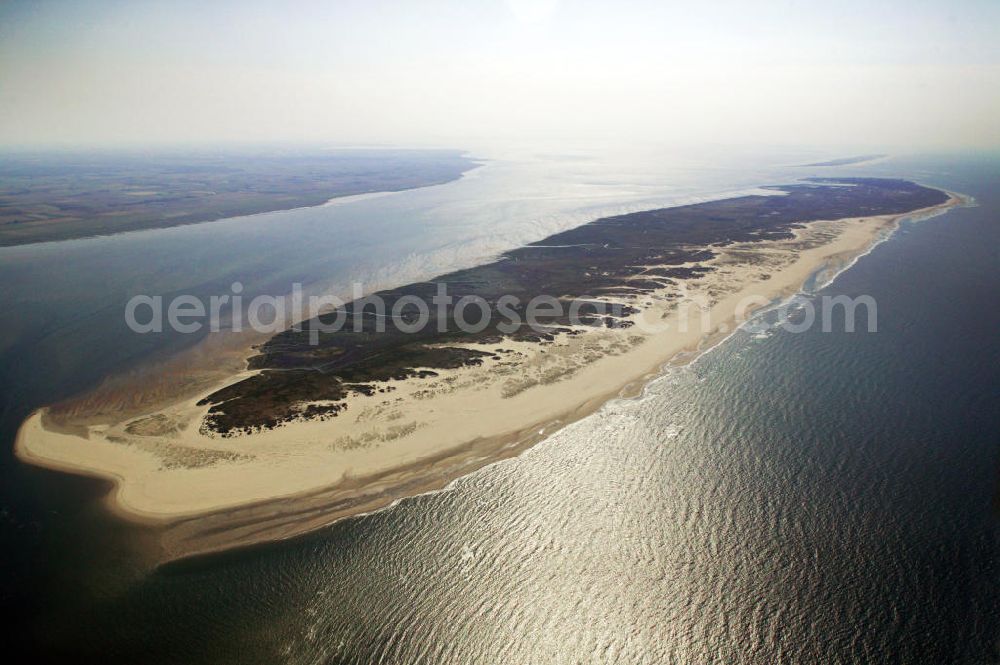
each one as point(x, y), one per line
point(601, 258)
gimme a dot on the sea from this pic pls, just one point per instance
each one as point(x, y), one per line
point(789, 497)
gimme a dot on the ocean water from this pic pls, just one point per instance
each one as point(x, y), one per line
point(801, 498)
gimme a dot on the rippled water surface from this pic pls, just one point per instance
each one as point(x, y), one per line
point(800, 498)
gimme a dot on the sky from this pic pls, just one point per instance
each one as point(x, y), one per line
point(887, 74)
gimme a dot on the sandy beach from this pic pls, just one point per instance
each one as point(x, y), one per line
point(410, 436)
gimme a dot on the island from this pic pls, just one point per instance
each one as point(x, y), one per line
point(325, 423)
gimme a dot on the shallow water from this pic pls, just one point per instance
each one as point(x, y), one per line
point(788, 498)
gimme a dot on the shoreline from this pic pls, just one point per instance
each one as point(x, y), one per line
point(305, 201)
point(193, 525)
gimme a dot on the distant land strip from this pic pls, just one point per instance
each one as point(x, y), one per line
point(846, 161)
point(60, 196)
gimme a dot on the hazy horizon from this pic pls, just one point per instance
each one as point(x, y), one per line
point(903, 76)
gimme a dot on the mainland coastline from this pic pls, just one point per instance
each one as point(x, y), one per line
point(225, 469)
point(42, 200)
